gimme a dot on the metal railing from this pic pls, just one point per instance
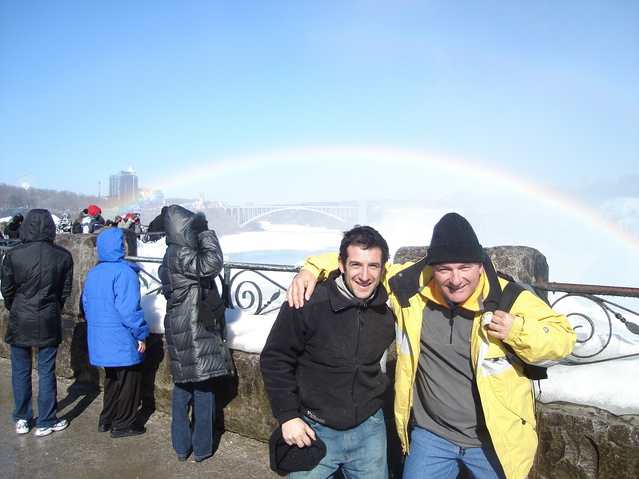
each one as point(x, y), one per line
point(245, 286)
point(594, 342)
point(248, 287)
point(8, 243)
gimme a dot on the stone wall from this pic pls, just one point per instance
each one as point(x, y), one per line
point(575, 442)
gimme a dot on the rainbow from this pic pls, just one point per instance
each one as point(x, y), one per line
point(359, 160)
point(120, 209)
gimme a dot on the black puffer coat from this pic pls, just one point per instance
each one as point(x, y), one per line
point(196, 353)
point(36, 281)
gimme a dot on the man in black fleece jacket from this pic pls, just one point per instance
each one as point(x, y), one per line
point(321, 363)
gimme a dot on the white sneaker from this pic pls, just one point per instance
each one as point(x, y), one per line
point(58, 426)
point(22, 426)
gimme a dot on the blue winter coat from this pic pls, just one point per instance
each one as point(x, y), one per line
point(111, 300)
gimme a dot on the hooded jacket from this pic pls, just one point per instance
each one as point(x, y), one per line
point(36, 281)
point(538, 335)
point(12, 230)
point(157, 224)
point(111, 301)
point(191, 262)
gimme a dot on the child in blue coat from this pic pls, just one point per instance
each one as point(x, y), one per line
point(117, 332)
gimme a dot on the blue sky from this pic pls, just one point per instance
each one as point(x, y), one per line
point(240, 99)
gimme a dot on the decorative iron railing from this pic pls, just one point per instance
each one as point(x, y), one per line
point(256, 289)
point(593, 342)
point(247, 291)
point(245, 286)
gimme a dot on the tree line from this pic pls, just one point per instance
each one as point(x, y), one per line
point(14, 199)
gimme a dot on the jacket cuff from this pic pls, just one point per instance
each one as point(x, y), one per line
point(515, 330)
point(287, 416)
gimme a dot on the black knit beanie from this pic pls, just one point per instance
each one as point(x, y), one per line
point(454, 241)
point(286, 459)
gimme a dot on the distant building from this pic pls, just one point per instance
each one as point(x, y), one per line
point(199, 204)
point(124, 186)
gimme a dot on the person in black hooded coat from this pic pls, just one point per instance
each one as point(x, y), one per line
point(192, 260)
point(157, 225)
point(12, 230)
point(36, 281)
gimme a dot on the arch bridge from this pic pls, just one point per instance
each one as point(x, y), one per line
point(245, 214)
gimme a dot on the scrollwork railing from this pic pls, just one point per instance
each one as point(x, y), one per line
point(595, 332)
point(245, 286)
point(256, 289)
point(249, 293)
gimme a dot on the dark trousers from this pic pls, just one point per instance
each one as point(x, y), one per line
point(121, 396)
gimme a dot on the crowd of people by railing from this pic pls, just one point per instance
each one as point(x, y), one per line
point(91, 221)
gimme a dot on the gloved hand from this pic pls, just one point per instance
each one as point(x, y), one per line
point(199, 223)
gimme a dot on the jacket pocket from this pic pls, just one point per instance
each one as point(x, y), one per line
point(513, 391)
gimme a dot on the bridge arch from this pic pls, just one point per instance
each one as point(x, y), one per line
point(244, 215)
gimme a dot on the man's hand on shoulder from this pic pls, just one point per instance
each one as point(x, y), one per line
point(301, 289)
point(296, 431)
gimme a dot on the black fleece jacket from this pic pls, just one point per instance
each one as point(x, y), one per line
point(323, 360)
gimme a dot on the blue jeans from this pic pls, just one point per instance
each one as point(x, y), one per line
point(360, 451)
point(193, 435)
point(47, 385)
point(435, 458)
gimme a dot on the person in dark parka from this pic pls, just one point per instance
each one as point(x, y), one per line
point(192, 260)
point(97, 221)
point(117, 332)
point(157, 225)
point(12, 230)
point(36, 281)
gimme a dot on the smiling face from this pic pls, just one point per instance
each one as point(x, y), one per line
point(362, 270)
point(457, 281)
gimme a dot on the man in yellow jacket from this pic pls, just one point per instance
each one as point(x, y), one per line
point(460, 386)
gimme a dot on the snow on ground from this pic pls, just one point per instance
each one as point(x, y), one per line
point(281, 237)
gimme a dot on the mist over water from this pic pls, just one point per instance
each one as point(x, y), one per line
point(577, 251)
